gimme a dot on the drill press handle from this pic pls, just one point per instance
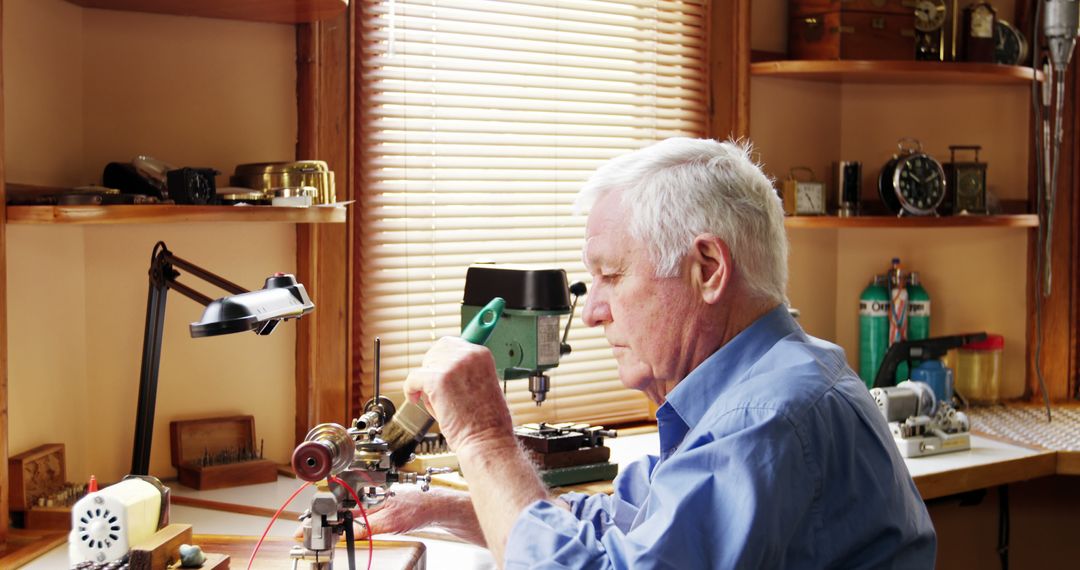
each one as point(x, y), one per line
point(925, 349)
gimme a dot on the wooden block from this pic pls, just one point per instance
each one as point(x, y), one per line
point(558, 459)
point(48, 518)
point(35, 472)
point(162, 549)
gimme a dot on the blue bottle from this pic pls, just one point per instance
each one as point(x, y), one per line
point(938, 376)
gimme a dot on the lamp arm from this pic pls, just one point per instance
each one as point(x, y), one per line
point(163, 277)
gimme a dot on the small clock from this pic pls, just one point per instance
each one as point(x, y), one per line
point(929, 34)
point(1010, 46)
point(912, 182)
point(803, 197)
point(967, 180)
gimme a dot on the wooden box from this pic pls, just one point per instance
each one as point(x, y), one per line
point(853, 36)
point(35, 472)
point(802, 8)
point(42, 473)
point(213, 453)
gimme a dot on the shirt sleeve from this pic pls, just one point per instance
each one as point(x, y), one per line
point(720, 502)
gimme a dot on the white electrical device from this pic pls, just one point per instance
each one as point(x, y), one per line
point(106, 523)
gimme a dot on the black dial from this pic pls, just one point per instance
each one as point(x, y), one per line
point(919, 182)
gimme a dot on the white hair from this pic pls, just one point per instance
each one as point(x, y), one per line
point(680, 188)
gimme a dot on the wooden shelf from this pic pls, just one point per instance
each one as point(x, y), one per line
point(276, 11)
point(163, 214)
point(889, 72)
point(892, 222)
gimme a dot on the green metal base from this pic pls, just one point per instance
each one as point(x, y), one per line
point(579, 474)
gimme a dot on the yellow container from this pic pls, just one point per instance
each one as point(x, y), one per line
point(977, 368)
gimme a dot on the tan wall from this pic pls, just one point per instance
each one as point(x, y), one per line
point(84, 87)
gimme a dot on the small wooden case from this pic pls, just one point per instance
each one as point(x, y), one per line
point(209, 453)
point(41, 472)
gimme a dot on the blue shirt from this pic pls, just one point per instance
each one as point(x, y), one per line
point(773, 455)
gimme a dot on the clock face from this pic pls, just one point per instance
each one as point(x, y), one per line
point(920, 184)
point(1010, 45)
point(968, 184)
point(809, 198)
point(929, 15)
point(970, 195)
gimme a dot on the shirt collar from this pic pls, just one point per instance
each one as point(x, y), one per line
point(695, 394)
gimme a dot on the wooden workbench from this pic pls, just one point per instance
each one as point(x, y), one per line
point(274, 553)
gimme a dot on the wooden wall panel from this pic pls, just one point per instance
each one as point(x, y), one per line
point(3, 332)
point(323, 359)
point(728, 67)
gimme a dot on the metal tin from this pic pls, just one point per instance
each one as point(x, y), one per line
point(270, 175)
point(297, 197)
point(255, 198)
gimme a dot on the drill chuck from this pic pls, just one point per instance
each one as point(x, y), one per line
point(539, 386)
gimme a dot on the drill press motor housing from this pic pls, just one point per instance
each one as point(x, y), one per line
point(526, 341)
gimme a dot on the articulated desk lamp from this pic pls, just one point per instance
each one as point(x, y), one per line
point(280, 298)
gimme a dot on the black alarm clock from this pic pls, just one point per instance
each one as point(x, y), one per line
point(912, 182)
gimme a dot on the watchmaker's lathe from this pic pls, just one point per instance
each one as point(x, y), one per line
point(358, 457)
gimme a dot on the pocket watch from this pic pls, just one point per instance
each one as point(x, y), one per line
point(912, 182)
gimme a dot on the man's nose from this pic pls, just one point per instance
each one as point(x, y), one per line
point(596, 311)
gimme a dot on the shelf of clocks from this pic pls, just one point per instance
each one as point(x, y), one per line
point(159, 214)
point(894, 222)
point(893, 72)
point(276, 11)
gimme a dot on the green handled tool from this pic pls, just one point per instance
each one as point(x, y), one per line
point(411, 422)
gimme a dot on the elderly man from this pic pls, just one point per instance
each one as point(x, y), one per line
point(772, 452)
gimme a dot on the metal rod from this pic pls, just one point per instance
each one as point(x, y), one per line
point(204, 274)
point(378, 351)
point(148, 378)
point(190, 293)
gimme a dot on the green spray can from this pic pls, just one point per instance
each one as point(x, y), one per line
point(873, 327)
point(918, 309)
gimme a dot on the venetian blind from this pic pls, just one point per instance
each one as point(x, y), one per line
point(481, 120)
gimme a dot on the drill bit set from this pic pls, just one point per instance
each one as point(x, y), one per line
point(213, 453)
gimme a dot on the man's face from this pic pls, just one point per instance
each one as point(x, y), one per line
point(642, 315)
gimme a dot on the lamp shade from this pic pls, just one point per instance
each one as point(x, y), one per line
point(280, 298)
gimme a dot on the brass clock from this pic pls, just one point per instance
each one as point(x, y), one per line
point(930, 18)
point(912, 182)
point(803, 197)
point(967, 180)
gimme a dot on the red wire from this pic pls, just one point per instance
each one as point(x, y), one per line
point(363, 513)
point(272, 519)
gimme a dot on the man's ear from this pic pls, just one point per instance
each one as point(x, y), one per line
point(711, 267)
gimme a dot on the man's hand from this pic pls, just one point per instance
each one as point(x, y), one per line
point(457, 380)
point(411, 509)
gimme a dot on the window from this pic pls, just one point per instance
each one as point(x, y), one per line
point(481, 120)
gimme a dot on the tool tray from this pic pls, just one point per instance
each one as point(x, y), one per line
point(214, 453)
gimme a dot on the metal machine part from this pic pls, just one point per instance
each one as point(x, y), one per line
point(357, 456)
point(920, 424)
point(526, 342)
point(106, 523)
